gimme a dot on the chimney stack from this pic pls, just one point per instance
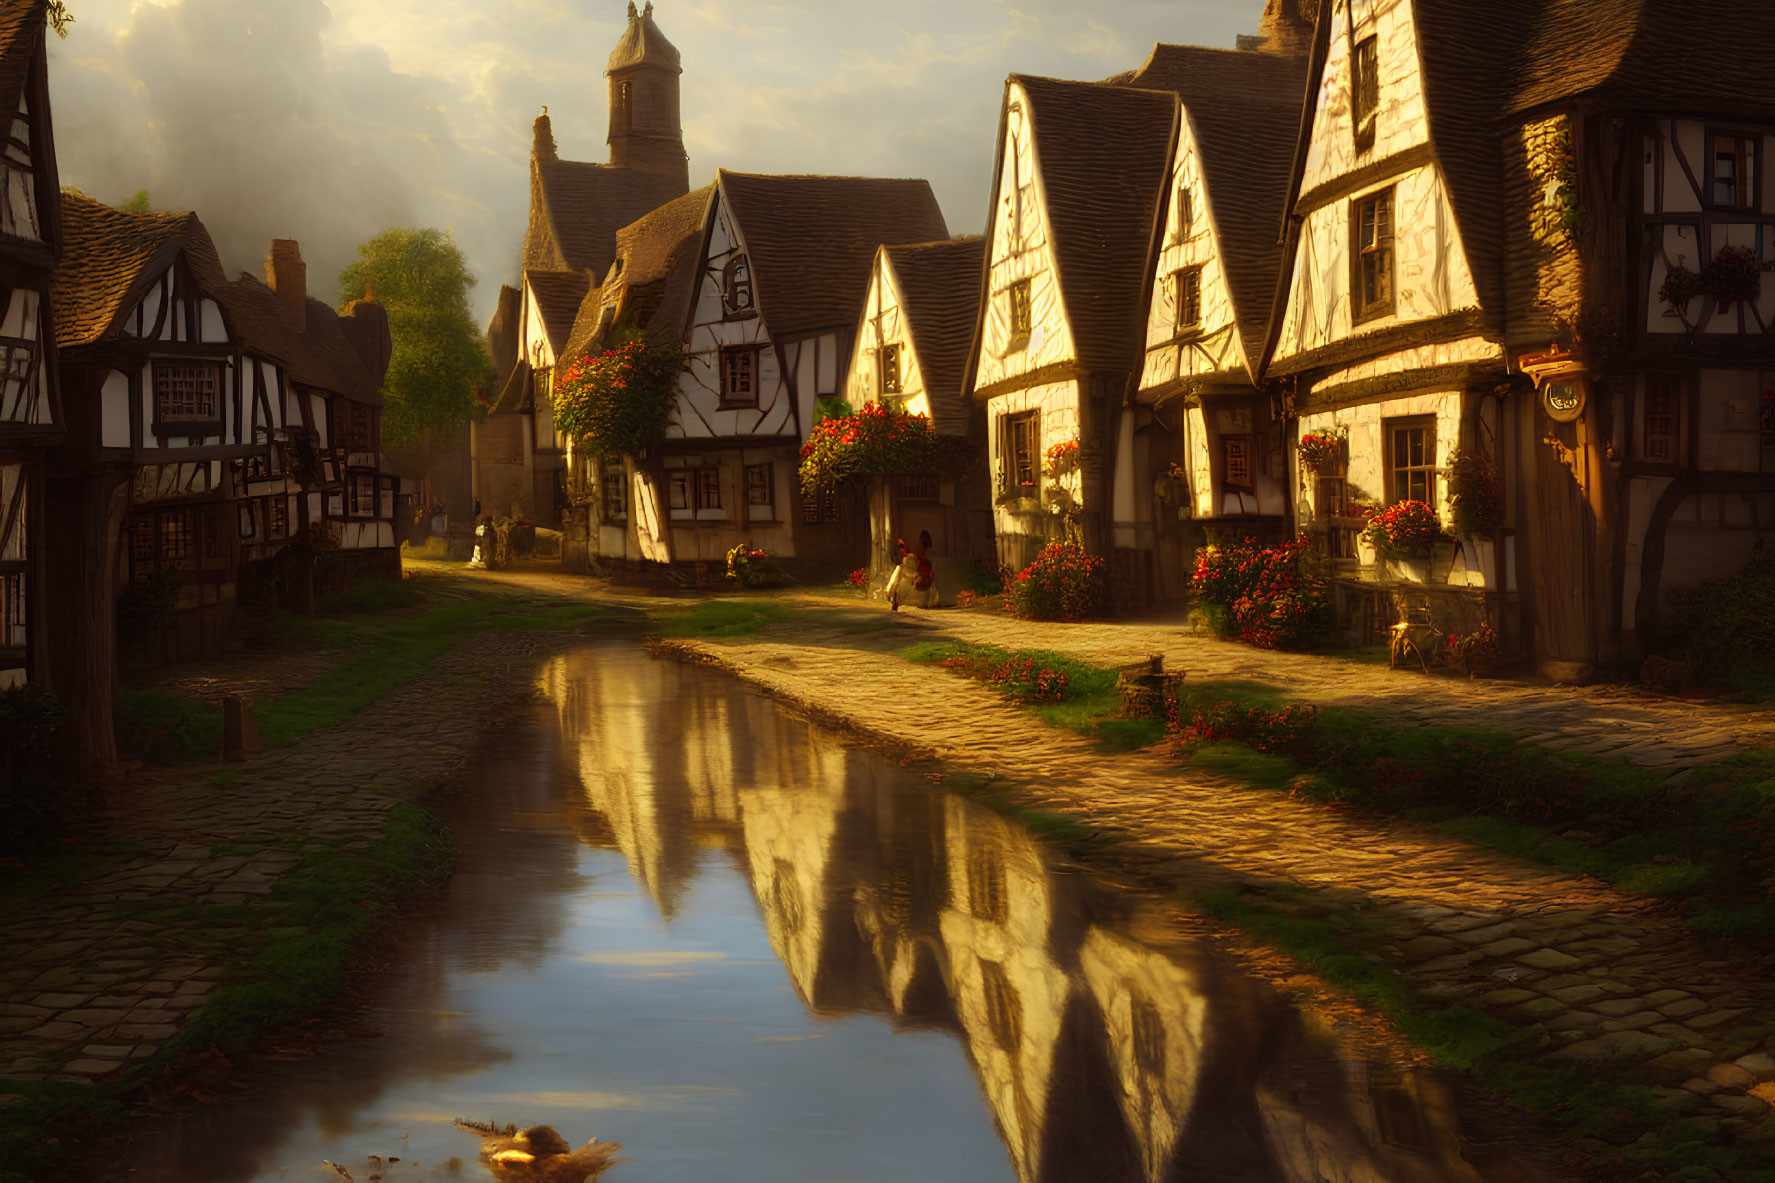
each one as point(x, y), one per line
point(287, 276)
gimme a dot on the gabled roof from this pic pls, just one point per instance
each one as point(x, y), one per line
point(642, 44)
point(330, 361)
point(1698, 57)
point(21, 32)
point(1243, 109)
point(655, 269)
point(1102, 155)
point(811, 240)
point(581, 206)
point(110, 257)
point(515, 394)
point(939, 286)
point(557, 295)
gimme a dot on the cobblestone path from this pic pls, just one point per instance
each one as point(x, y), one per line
point(100, 975)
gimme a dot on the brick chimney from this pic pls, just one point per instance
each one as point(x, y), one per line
point(287, 277)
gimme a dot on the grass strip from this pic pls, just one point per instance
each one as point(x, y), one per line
point(719, 618)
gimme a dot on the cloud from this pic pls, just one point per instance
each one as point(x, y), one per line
point(330, 121)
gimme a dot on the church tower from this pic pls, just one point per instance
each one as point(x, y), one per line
point(643, 71)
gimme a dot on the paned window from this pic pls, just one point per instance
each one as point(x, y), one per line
point(1365, 82)
point(1411, 460)
point(361, 496)
point(355, 426)
point(1374, 256)
point(708, 488)
point(178, 536)
point(616, 497)
point(1732, 163)
point(916, 487)
point(1019, 312)
point(760, 487)
point(821, 508)
point(12, 598)
point(890, 369)
point(1235, 450)
point(277, 518)
point(678, 490)
point(1662, 399)
point(736, 286)
point(739, 377)
point(1186, 211)
point(1187, 285)
point(185, 393)
point(1021, 450)
point(141, 549)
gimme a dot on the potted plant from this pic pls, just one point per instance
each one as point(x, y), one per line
point(1322, 451)
point(1478, 651)
point(1733, 276)
point(1477, 506)
point(1404, 534)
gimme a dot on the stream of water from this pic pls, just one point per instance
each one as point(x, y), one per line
point(689, 922)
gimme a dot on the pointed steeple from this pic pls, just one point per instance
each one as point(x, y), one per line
point(642, 44)
point(542, 144)
point(643, 78)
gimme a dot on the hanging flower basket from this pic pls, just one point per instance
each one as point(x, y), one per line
point(1322, 451)
point(1062, 458)
point(1407, 530)
point(1733, 276)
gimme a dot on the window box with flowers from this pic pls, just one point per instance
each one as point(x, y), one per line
point(1731, 277)
point(1322, 451)
point(1404, 535)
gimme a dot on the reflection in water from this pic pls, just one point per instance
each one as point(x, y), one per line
point(689, 923)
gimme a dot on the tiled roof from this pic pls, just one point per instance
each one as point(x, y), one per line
point(1103, 154)
point(108, 259)
point(331, 362)
point(257, 321)
point(1244, 113)
point(557, 295)
point(21, 31)
point(1697, 57)
point(642, 44)
point(939, 285)
point(582, 206)
point(515, 394)
point(811, 240)
point(658, 264)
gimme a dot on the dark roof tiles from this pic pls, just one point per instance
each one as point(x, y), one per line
point(557, 295)
point(939, 286)
point(110, 256)
point(582, 206)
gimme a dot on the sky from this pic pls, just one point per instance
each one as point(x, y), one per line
point(328, 122)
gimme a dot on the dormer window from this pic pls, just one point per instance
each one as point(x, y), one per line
point(1366, 90)
point(736, 286)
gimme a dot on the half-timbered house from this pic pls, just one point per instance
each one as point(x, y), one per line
point(1205, 447)
point(912, 353)
point(30, 410)
point(1076, 190)
point(780, 268)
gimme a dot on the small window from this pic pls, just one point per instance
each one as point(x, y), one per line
point(736, 286)
point(625, 92)
point(760, 486)
point(708, 488)
point(1186, 211)
point(916, 487)
point(1662, 399)
point(1373, 281)
point(12, 595)
point(1366, 85)
point(821, 508)
point(739, 377)
point(1732, 172)
point(277, 518)
point(185, 393)
point(678, 490)
point(1411, 460)
point(1018, 298)
point(1235, 450)
point(616, 496)
point(1187, 284)
point(1020, 449)
point(361, 496)
point(178, 536)
point(890, 369)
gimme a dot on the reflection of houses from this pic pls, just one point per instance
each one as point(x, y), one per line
point(576, 208)
point(1079, 171)
point(30, 411)
point(912, 353)
point(1208, 448)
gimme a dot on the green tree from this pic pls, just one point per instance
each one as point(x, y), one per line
point(137, 204)
point(439, 361)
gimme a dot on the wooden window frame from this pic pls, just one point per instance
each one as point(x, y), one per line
point(769, 500)
point(738, 295)
point(1021, 428)
point(1378, 247)
point(821, 508)
point(1365, 90)
point(1747, 183)
point(1662, 446)
point(1390, 430)
point(1019, 313)
point(1187, 281)
point(678, 493)
point(1186, 211)
point(614, 492)
point(277, 518)
point(892, 379)
point(207, 417)
point(707, 490)
point(1240, 446)
point(916, 487)
point(730, 355)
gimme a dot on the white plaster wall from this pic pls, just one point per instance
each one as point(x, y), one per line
point(114, 410)
point(213, 330)
point(1058, 405)
point(1400, 122)
point(1729, 434)
point(1021, 250)
point(1366, 475)
point(884, 323)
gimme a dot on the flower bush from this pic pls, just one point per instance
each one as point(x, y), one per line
point(1405, 530)
point(1021, 679)
point(1473, 495)
point(1321, 450)
point(1478, 651)
point(1275, 597)
point(750, 567)
point(1065, 582)
point(1733, 275)
point(620, 400)
point(860, 578)
point(876, 441)
point(1283, 732)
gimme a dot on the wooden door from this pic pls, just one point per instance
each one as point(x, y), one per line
point(1564, 531)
